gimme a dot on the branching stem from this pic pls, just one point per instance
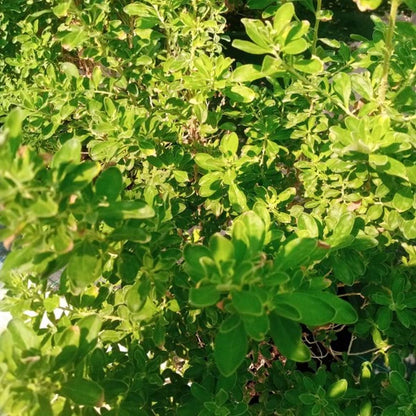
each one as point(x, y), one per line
point(316, 27)
point(388, 50)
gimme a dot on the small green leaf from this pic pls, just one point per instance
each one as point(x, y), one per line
point(13, 129)
point(341, 236)
point(366, 409)
point(398, 383)
point(221, 247)
point(247, 303)
point(247, 73)
point(75, 38)
point(240, 94)
point(309, 66)
point(283, 17)
point(109, 184)
point(83, 392)
point(230, 323)
point(237, 198)
point(70, 69)
point(23, 336)
point(229, 144)
point(250, 47)
point(345, 313)
point(403, 199)
point(210, 183)
point(258, 33)
point(287, 336)
point(85, 266)
point(135, 297)
point(124, 210)
point(193, 266)
point(256, 326)
point(365, 5)
point(131, 231)
point(296, 47)
point(230, 349)
point(69, 152)
point(384, 318)
point(248, 234)
point(388, 165)
point(295, 253)
point(61, 10)
point(342, 87)
point(200, 392)
point(308, 398)
point(312, 311)
point(208, 162)
point(409, 228)
point(204, 296)
point(80, 177)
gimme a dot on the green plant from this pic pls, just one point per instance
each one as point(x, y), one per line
point(230, 238)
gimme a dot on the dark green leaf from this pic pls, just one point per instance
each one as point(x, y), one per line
point(247, 303)
point(83, 392)
point(312, 311)
point(256, 326)
point(287, 336)
point(230, 349)
point(109, 184)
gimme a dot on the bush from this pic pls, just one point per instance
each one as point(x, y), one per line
point(191, 234)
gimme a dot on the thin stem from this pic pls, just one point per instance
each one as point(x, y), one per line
point(316, 27)
point(388, 50)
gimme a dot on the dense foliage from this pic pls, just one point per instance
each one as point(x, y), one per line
point(192, 234)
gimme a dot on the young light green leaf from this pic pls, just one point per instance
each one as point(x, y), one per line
point(250, 47)
point(247, 73)
point(229, 144)
point(240, 94)
point(296, 47)
point(258, 33)
point(237, 198)
point(70, 69)
point(365, 5)
point(283, 17)
point(309, 66)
